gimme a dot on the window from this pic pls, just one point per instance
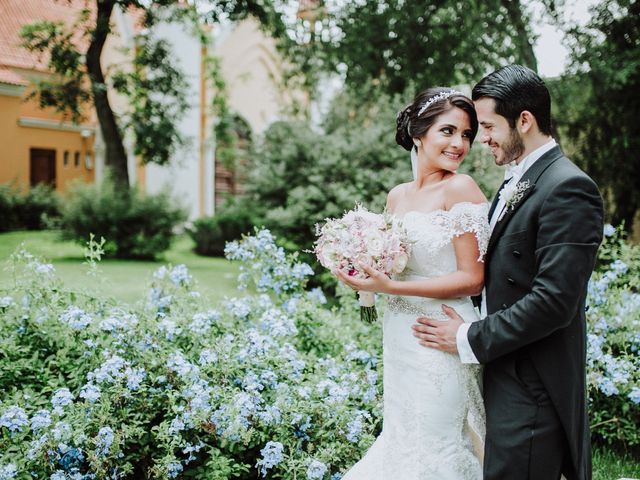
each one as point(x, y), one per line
point(76, 159)
point(65, 158)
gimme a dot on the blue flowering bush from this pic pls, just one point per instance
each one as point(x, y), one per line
point(268, 384)
point(613, 343)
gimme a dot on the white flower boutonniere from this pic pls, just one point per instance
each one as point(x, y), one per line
point(512, 194)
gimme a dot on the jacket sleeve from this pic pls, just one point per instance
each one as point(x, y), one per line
point(570, 227)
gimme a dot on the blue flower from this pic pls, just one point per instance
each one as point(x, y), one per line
point(61, 398)
point(90, 392)
point(354, 428)
point(104, 441)
point(607, 387)
point(317, 295)
point(72, 458)
point(207, 357)
point(40, 420)
point(8, 471)
point(174, 469)
point(76, 318)
point(271, 456)
point(134, 377)
point(6, 302)
point(14, 418)
point(179, 275)
point(634, 396)
point(609, 230)
point(316, 470)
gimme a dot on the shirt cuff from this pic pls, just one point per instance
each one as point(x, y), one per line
point(464, 348)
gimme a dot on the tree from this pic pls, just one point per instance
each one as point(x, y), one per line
point(399, 43)
point(156, 89)
point(598, 100)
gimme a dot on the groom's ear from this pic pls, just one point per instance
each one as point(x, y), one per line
point(526, 122)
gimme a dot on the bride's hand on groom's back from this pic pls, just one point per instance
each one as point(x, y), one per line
point(439, 334)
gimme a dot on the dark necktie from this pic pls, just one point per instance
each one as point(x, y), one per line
point(495, 199)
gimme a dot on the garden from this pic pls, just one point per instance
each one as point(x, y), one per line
point(273, 380)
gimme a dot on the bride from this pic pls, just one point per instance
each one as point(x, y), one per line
point(433, 425)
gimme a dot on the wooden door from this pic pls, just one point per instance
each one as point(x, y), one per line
point(43, 167)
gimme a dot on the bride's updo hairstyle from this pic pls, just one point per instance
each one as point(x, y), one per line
point(415, 119)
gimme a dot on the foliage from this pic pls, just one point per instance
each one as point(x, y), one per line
point(210, 234)
point(155, 87)
point(31, 210)
point(397, 44)
point(137, 225)
point(614, 343)
point(157, 93)
point(597, 101)
point(173, 387)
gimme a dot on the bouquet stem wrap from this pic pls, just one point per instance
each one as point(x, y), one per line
point(367, 301)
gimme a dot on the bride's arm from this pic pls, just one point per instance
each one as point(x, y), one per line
point(467, 280)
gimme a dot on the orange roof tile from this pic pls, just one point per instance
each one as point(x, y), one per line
point(16, 13)
point(10, 77)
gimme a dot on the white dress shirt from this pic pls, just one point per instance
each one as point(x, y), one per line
point(513, 173)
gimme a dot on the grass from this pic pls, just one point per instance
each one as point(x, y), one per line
point(610, 465)
point(124, 280)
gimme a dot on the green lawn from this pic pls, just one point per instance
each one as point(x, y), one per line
point(125, 280)
point(609, 465)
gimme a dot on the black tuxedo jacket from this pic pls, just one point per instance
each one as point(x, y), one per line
point(539, 260)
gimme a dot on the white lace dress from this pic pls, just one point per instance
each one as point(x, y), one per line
point(433, 424)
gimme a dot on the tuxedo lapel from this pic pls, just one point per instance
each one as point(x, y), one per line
point(531, 175)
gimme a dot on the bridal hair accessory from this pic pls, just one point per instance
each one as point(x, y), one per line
point(437, 98)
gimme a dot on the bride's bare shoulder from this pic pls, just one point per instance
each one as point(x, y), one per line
point(462, 188)
point(395, 194)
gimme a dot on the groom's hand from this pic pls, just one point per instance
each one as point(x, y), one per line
point(438, 334)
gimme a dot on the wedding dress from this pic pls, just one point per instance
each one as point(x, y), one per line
point(433, 425)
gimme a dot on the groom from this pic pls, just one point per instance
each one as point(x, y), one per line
point(546, 227)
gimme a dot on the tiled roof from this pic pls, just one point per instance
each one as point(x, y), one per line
point(16, 13)
point(10, 77)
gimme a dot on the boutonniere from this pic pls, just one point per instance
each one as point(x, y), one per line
point(512, 194)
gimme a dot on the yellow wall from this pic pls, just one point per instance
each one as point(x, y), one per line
point(16, 142)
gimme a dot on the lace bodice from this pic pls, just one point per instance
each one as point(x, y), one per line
point(432, 233)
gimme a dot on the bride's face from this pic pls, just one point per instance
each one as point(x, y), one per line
point(448, 140)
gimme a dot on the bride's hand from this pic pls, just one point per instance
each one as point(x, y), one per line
point(377, 281)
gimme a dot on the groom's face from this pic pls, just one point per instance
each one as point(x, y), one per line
point(505, 142)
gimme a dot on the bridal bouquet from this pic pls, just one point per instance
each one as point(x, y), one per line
point(358, 238)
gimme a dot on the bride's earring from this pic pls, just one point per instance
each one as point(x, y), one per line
point(417, 142)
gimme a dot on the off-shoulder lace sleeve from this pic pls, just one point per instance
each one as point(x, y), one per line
point(473, 218)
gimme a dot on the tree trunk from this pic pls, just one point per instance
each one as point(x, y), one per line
point(524, 44)
point(116, 156)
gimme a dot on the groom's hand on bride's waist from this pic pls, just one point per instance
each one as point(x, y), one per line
point(439, 334)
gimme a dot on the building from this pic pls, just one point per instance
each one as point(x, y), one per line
point(38, 146)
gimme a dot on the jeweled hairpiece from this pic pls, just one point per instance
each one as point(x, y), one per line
point(437, 98)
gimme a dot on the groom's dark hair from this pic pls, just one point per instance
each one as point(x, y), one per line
point(515, 88)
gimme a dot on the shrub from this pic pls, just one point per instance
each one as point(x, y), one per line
point(210, 234)
point(613, 357)
point(34, 210)
point(173, 387)
point(135, 224)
